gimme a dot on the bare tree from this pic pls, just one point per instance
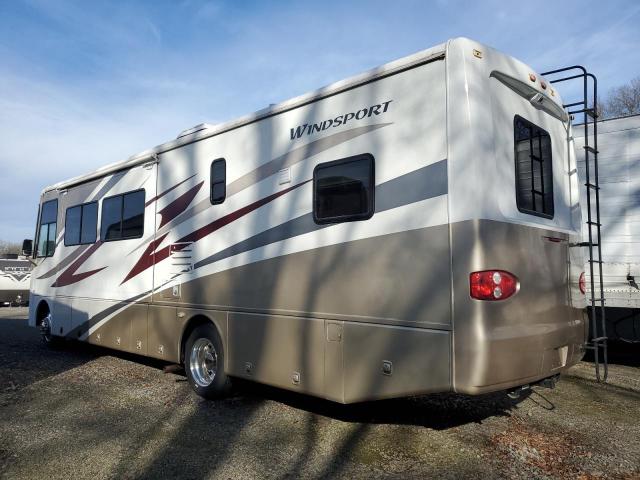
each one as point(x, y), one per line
point(623, 100)
point(9, 247)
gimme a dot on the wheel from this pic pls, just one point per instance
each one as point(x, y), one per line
point(50, 340)
point(204, 363)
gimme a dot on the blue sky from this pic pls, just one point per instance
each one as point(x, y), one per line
point(83, 84)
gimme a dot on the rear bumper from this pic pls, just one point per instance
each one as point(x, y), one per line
point(550, 362)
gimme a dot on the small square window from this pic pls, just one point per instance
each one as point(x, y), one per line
point(343, 190)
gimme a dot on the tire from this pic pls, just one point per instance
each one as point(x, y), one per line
point(204, 363)
point(52, 341)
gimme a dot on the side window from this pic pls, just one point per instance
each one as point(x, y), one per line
point(123, 216)
point(48, 228)
point(218, 181)
point(534, 175)
point(80, 224)
point(343, 190)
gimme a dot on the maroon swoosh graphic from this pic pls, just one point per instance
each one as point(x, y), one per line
point(178, 206)
point(63, 263)
point(158, 197)
point(69, 276)
point(150, 256)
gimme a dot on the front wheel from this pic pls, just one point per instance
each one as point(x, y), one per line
point(50, 340)
point(204, 363)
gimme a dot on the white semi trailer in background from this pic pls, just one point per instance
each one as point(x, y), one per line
point(619, 180)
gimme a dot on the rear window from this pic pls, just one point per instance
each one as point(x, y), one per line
point(534, 175)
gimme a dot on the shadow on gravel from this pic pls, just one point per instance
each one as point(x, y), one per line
point(620, 353)
point(437, 411)
point(24, 359)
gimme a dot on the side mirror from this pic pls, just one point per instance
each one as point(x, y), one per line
point(27, 247)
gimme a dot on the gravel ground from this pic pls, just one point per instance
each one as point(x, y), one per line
point(84, 412)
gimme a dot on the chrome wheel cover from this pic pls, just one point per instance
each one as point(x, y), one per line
point(203, 362)
point(45, 328)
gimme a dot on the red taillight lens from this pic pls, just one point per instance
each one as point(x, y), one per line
point(582, 283)
point(492, 285)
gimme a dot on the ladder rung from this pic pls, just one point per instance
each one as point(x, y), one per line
point(590, 149)
point(598, 339)
point(591, 112)
point(591, 185)
point(594, 261)
point(586, 244)
point(574, 104)
point(594, 223)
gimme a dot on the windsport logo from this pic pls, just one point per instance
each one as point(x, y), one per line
point(310, 128)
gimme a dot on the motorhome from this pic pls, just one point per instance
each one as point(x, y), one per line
point(405, 231)
point(15, 278)
point(619, 181)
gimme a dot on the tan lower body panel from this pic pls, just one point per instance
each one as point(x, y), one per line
point(530, 336)
point(340, 361)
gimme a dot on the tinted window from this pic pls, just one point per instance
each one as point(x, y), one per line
point(89, 223)
point(72, 220)
point(80, 224)
point(218, 181)
point(46, 243)
point(343, 190)
point(111, 218)
point(534, 176)
point(133, 215)
point(123, 216)
point(49, 212)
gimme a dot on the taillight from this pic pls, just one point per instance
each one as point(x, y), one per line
point(582, 283)
point(492, 285)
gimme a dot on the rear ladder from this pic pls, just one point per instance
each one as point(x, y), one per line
point(598, 341)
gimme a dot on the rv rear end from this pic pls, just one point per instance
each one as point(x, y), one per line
point(518, 311)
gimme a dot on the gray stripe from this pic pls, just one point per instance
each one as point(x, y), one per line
point(426, 182)
point(297, 155)
point(68, 260)
point(84, 327)
point(421, 184)
point(270, 168)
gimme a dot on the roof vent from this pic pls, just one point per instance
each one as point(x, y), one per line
point(192, 130)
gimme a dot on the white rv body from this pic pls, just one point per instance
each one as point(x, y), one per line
point(354, 310)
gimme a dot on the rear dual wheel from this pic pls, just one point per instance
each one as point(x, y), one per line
point(204, 363)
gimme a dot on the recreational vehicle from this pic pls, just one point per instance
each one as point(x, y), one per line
point(405, 231)
point(15, 277)
point(619, 172)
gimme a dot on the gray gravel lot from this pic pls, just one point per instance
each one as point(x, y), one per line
point(84, 412)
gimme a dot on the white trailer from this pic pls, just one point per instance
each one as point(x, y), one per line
point(15, 279)
point(619, 179)
point(404, 231)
